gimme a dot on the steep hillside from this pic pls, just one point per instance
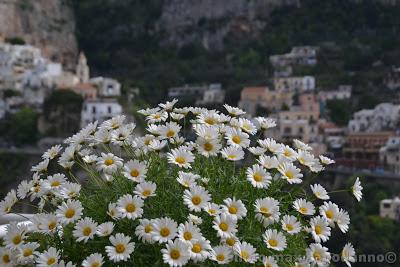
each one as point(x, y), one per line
point(48, 24)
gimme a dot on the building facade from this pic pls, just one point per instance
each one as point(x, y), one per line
point(99, 110)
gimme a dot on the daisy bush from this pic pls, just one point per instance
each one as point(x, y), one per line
point(199, 188)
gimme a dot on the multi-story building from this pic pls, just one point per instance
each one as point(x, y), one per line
point(389, 155)
point(99, 110)
point(214, 94)
point(390, 208)
point(343, 92)
point(106, 87)
point(384, 117)
point(299, 55)
point(294, 84)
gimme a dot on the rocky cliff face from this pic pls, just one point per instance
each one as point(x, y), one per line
point(210, 21)
point(48, 24)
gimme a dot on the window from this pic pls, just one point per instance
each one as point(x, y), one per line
point(109, 109)
point(386, 205)
point(301, 130)
point(287, 130)
point(93, 109)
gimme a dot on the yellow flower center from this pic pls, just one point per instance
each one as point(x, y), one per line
point(148, 228)
point(187, 235)
point(317, 256)
point(212, 211)
point(236, 139)
point(318, 229)
point(196, 248)
point(245, 255)
point(303, 210)
point(232, 210)
point(223, 226)
point(180, 160)
point(273, 242)
point(265, 212)
point(134, 173)
point(157, 116)
point(196, 200)
point(175, 254)
point(170, 134)
point(130, 207)
point(329, 214)
point(210, 121)
point(120, 248)
point(164, 232)
point(268, 265)
point(6, 258)
point(220, 257)
point(257, 177)
point(208, 146)
point(146, 193)
point(108, 162)
point(230, 241)
point(17, 239)
point(95, 264)
point(87, 231)
point(55, 183)
point(232, 156)
point(287, 153)
point(51, 261)
point(289, 175)
point(27, 252)
point(289, 227)
point(69, 213)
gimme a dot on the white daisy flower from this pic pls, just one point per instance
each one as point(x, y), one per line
point(113, 210)
point(320, 229)
point(105, 229)
point(93, 260)
point(121, 248)
point(169, 105)
point(302, 262)
point(41, 167)
point(26, 253)
point(232, 153)
point(329, 211)
point(269, 262)
point(169, 130)
point(318, 255)
point(304, 207)
point(176, 253)
point(164, 229)
point(196, 220)
point(288, 153)
point(113, 123)
point(109, 163)
point(187, 179)
point(225, 225)
point(180, 157)
point(145, 189)
point(290, 172)
point(55, 182)
point(158, 116)
point(177, 116)
point(305, 158)
point(326, 160)
point(144, 230)
point(188, 232)
point(229, 241)
point(268, 162)
point(319, 191)
point(69, 211)
point(267, 210)
point(48, 257)
point(290, 224)
point(23, 189)
point(357, 189)
point(208, 117)
point(52, 152)
point(199, 249)
point(130, 207)
point(148, 111)
point(135, 170)
point(257, 151)
point(206, 132)
point(196, 198)
point(234, 111)
point(275, 240)
point(221, 254)
point(157, 145)
point(342, 220)
point(235, 208)
point(237, 138)
point(7, 257)
point(264, 123)
point(258, 176)
point(247, 126)
point(246, 252)
point(271, 145)
point(70, 190)
point(301, 145)
point(15, 235)
point(212, 209)
point(85, 229)
point(348, 254)
point(208, 147)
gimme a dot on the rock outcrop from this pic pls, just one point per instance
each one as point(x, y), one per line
point(47, 24)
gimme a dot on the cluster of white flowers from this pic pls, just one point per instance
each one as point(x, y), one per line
point(112, 151)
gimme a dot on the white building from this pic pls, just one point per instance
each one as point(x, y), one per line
point(294, 84)
point(99, 110)
point(299, 55)
point(213, 95)
point(343, 92)
point(82, 69)
point(389, 155)
point(384, 117)
point(390, 208)
point(106, 87)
